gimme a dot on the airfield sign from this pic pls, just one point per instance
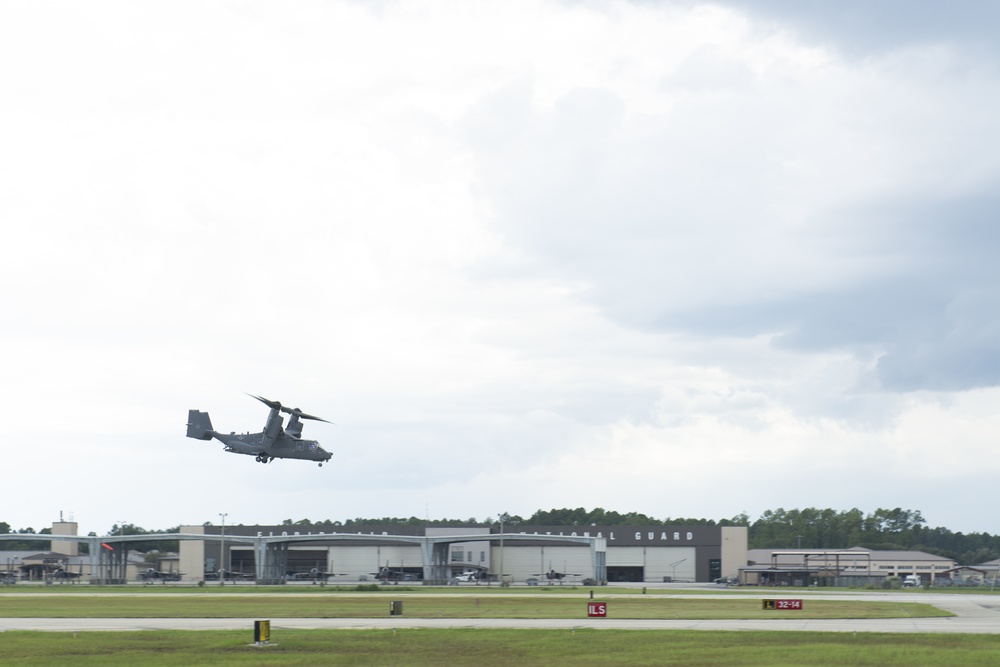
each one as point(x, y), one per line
point(597, 609)
point(783, 604)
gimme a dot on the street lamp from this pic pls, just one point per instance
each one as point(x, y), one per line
point(222, 550)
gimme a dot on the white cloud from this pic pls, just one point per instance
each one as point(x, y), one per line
point(525, 255)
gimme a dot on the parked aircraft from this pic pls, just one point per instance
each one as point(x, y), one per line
point(315, 574)
point(552, 575)
point(387, 575)
point(152, 574)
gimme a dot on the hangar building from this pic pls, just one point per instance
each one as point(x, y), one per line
point(521, 553)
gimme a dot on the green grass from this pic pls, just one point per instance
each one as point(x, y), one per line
point(424, 606)
point(375, 589)
point(581, 648)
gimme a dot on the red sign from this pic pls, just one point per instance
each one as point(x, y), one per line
point(782, 604)
point(597, 609)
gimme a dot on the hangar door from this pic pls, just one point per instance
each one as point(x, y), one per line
point(355, 562)
point(522, 563)
point(653, 564)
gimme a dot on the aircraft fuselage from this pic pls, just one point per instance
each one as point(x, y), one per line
point(282, 447)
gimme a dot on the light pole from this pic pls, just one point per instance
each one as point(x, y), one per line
point(222, 550)
point(120, 554)
point(503, 582)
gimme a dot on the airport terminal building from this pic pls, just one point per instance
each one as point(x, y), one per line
point(440, 554)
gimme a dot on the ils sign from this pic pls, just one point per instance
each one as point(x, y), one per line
point(597, 609)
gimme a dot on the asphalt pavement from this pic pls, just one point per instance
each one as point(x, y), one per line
point(974, 614)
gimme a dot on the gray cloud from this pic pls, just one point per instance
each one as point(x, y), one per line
point(667, 221)
point(858, 27)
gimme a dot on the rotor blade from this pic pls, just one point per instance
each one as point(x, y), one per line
point(303, 415)
point(291, 411)
point(270, 404)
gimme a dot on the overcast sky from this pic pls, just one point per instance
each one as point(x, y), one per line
point(688, 259)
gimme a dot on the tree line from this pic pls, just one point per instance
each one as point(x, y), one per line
point(809, 528)
point(885, 529)
point(29, 544)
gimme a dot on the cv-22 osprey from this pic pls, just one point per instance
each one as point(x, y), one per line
point(274, 442)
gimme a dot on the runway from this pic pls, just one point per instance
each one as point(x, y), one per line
point(974, 614)
point(936, 625)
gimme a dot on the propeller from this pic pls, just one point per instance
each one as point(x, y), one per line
point(271, 404)
point(302, 415)
point(276, 405)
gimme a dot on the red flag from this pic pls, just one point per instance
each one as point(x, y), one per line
point(107, 546)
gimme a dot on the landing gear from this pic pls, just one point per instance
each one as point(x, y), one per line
point(320, 465)
point(264, 458)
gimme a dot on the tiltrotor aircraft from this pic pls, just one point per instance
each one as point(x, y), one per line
point(274, 442)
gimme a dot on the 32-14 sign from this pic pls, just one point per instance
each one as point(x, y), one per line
point(782, 604)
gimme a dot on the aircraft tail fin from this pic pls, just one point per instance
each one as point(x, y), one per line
point(199, 425)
